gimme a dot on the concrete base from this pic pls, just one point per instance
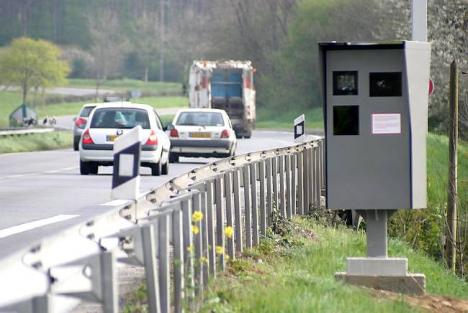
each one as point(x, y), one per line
point(377, 266)
point(414, 284)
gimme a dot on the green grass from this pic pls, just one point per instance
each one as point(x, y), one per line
point(130, 84)
point(272, 119)
point(36, 142)
point(9, 101)
point(424, 228)
point(296, 274)
point(164, 102)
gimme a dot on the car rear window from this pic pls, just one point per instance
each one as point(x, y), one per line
point(86, 111)
point(124, 118)
point(200, 119)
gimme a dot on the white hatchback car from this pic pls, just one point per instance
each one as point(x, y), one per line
point(110, 120)
point(201, 133)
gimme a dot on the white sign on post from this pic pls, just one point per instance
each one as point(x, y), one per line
point(299, 128)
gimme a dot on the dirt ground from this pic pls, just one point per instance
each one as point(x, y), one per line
point(429, 303)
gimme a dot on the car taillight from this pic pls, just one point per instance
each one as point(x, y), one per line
point(152, 139)
point(174, 133)
point(86, 138)
point(80, 122)
point(225, 134)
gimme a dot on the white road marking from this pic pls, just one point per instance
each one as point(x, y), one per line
point(65, 169)
point(7, 232)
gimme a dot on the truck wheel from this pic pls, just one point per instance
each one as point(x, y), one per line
point(248, 134)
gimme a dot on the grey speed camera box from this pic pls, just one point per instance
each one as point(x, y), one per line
point(375, 111)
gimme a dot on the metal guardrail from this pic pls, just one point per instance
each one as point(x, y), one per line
point(25, 131)
point(182, 233)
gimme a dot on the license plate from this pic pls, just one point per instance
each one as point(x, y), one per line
point(111, 138)
point(200, 135)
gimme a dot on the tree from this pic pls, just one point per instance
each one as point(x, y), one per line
point(32, 63)
point(108, 45)
point(146, 40)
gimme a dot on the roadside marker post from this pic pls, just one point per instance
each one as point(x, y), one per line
point(126, 175)
point(299, 129)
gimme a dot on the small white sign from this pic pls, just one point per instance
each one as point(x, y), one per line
point(299, 130)
point(388, 123)
point(126, 165)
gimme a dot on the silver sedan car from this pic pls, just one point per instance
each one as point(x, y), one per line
point(201, 133)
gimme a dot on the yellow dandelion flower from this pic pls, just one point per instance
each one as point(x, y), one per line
point(203, 260)
point(195, 229)
point(190, 249)
point(197, 216)
point(229, 231)
point(219, 250)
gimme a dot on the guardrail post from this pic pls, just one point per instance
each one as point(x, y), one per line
point(321, 165)
point(198, 247)
point(282, 193)
point(220, 223)
point(229, 213)
point(300, 182)
point(110, 297)
point(316, 177)
point(254, 207)
point(311, 177)
point(149, 256)
point(41, 304)
point(274, 173)
point(293, 185)
point(306, 181)
point(262, 203)
point(163, 258)
point(178, 259)
point(288, 186)
point(269, 191)
point(247, 206)
point(187, 251)
point(238, 222)
point(204, 235)
point(210, 219)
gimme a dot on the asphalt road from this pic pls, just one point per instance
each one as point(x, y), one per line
point(42, 193)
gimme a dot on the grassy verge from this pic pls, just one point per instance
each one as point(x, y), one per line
point(36, 142)
point(10, 100)
point(271, 119)
point(295, 273)
point(424, 228)
point(129, 84)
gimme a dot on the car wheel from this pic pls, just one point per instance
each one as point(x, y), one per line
point(156, 169)
point(93, 168)
point(84, 168)
point(173, 158)
point(165, 168)
point(248, 134)
point(76, 143)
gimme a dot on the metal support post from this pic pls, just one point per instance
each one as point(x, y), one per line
point(247, 206)
point(151, 270)
point(254, 207)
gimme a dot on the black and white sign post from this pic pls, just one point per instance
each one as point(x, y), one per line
point(126, 176)
point(299, 129)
